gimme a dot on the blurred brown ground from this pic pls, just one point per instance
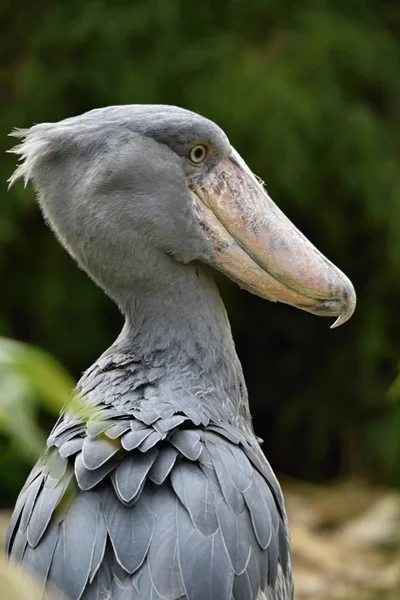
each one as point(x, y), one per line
point(345, 541)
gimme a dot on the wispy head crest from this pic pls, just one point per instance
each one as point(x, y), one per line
point(33, 147)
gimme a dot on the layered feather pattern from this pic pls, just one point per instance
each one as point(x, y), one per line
point(152, 505)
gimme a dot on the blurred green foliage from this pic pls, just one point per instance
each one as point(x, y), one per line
point(387, 435)
point(309, 95)
point(30, 381)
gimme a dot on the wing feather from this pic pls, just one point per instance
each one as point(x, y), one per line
point(130, 528)
point(233, 498)
point(162, 560)
point(129, 476)
point(188, 442)
point(32, 493)
point(71, 447)
point(238, 535)
point(75, 544)
point(38, 563)
point(260, 513)
point(133, 439)
point(206, 570)
point(88, 479)
point(163, 465)
point(99, 547)
point(194, 491)
point(45, 504)
point(97, 451)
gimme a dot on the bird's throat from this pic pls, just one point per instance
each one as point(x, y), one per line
point(179, 326)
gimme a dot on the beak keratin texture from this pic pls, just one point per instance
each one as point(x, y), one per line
point(257, 246)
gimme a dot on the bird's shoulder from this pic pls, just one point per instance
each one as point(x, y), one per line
point(163, 501)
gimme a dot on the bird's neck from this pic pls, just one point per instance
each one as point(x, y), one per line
point(178, 325)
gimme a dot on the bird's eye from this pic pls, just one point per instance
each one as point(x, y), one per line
point(198, 153)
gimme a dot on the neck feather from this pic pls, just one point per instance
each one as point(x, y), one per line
point(177, 327)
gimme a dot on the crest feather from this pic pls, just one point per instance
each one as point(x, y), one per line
point(33, 147)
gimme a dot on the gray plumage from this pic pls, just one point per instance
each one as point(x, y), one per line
point(163, 493)
point(193, 504)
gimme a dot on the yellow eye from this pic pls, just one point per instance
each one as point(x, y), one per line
point(198, 153)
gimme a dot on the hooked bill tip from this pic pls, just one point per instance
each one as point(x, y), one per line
point(339, 321)
point(348, 304)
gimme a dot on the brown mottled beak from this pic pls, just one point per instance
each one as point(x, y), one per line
point(257, 246)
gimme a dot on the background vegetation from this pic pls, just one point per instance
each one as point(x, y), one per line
point(308, 93)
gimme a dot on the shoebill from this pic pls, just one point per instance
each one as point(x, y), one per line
point(158, 489)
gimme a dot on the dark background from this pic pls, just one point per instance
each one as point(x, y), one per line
point(308, 93)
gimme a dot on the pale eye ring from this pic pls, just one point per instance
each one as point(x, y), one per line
point(198, 153)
